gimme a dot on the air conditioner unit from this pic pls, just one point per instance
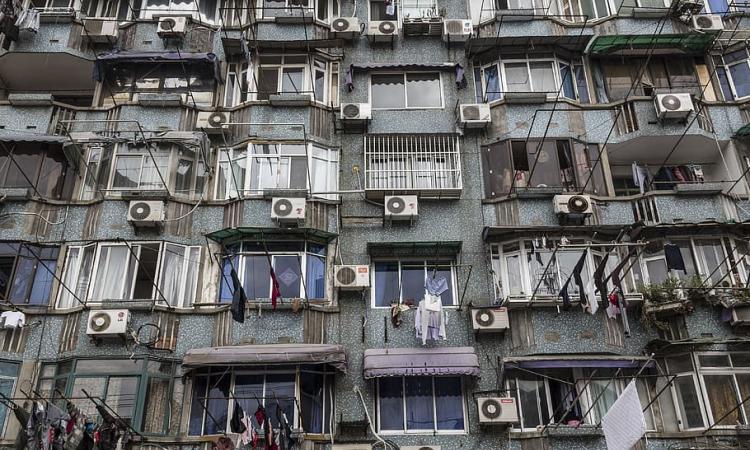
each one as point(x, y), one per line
point(740, 316)
point(288, 209)
point(475, 115)
point(420, 447)
point(346, 27)
point(212, 122)
point(145, 213)
point(673, 106)
point(707, 22)
point(573, 204)
point(99, 30)
point(356, 111)
point(382, 30)
point(351, 277)
point(172, 27)
point(497, 410)
point(10, 320)
point(488, 320)
point(401, 207)
point(456, 30)
point(110, 322)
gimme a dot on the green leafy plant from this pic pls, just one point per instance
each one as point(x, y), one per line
point(667, 291)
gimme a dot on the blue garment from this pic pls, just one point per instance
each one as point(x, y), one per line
point(436, 286)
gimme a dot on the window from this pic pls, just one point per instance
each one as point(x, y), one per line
point(403, 281)
point(545, 400)
point(194, 82)
point(725, 379)
point(287, 74)
point(299, 268)
point(383, 10)
point(41, 168)
point(568, 165)
point(105, 272)
point(685, 393)
point(418, 9)
point(117, 9)
point(322, 10)
point(735, 68)
point(27, 273)
point(521, 266)
point(412, 162)
point(303, 394)
point(8, 376)
point(421, 405)
point(138, 391)
point(135, 168)
point(265, 166)
point(533, 74)
point(662, 74)
point(705, 258)
point(406, 90)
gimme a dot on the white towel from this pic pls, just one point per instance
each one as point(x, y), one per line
point(624, 424)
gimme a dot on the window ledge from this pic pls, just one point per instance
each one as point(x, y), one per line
point(557, 431)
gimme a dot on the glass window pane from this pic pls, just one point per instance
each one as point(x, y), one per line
point(320, 82)
point(122, 394)
point(517, 77)
point(583, 89)
point(567, 81)
point(217, 404)
point(386, 284)
point(690, 407)
point(157, 405)
point(289, 274)
point(722, 396)
point(257, 281)
point(741, 78)
point(387, 91)
point(419, 405)
point(533, 402)
point(248, 389)
point(268, 80)
point(449, 407)
point(515, 284)
point(195, 426)
point(492, 89)
point(127, 172)
point(316, 277)
point(280, 392)
point(312, 392)
point(21, 280)
point(94, 386)
point(714, 360)
point(423, 90)
point(543, 76)
point(293, 80)
point(43, 279)
point(412, 282)
point(391, 406)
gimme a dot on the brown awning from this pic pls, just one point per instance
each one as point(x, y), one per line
point(267, 355)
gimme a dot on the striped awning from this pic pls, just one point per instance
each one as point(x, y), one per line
point(400, 362)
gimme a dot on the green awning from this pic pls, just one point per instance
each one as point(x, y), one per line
point(230, 235)
point(420, 249)
point(743, 132)
point(694, 43)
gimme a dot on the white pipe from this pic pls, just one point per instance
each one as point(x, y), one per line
point(369, 421)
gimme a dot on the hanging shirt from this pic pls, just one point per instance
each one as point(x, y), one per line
point(430, 325)
point(640, 177)
point(13, 319)
point(436, 286)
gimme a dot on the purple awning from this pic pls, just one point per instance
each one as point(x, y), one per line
point(267, 355)
point(398, 362)
point(582, 361)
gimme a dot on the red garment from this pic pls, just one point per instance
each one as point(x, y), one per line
point(276, 290)
point(260, 415)
point(613, 298)
point(254, 438)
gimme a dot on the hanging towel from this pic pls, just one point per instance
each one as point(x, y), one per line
point(579, 281)
point(673, 255)
point(640, 177)
point(624, 423)
point(238, 299)
point(460, 77)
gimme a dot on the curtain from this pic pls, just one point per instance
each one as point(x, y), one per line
point(386, 284)
point(449, 408)
point(419, 403)
point(172, 268)
point(312, 391)
point(316, 277)
point(391, 406)
point(722, 396)
point(157, 403)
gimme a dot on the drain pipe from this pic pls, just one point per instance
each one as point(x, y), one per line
point(369, 421)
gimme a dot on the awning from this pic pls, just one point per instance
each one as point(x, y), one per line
point(423, 248)
point(477, 45)
point(229, 235)
point(404, 66)
point(581, 361)
point(31, 137)
point(155, 57)
point(267, 355)
point(500, 233)
point(398, 362)
point(692, 43)
point(743, 132)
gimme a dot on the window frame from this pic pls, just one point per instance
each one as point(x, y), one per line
point(405, 75)
point(32, 252)
point(226, 163)
point(428, 264)
point(434, 430)
point(133, 265)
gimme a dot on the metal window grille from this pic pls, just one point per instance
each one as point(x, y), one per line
point(69, 332)
point(169, 329)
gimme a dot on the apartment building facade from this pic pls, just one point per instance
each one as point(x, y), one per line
point(352, 168)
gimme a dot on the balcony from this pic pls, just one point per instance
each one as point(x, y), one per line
point(424, 165)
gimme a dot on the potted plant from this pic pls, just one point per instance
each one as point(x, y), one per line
point(665, 299)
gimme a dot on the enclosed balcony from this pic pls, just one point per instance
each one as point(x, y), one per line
point(424, 165)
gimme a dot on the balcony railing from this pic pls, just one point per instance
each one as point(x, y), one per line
point(428, 165)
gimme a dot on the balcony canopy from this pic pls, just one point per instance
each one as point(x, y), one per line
point(399, 362)
point(229, 235)
point(31, 137)
point(424, 248)
point(577, 361)
point(267, 355)
point(125, 57)
point(690, 43)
